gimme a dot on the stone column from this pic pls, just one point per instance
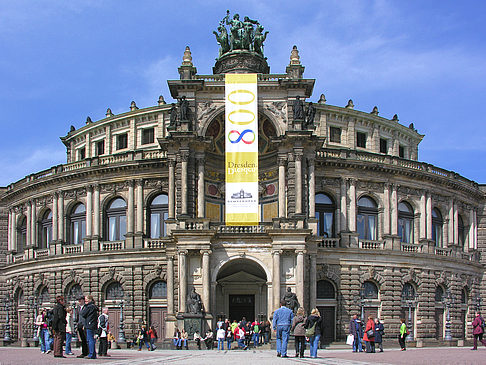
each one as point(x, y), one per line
point(201, 205)
point(130, 207)
point(33, 223)
point(29, 224)
point(472, 228)
point(429, 216)
point(394, 210)
point(352, 205)
point(206, 278)
point(298, 181)
point(312, 188)
point(475, 231)
point(184, 161)
point(55, 224)
point(89, 211)
point(313, 281)
point(281, 185)
point(9, 234)
point(139, 194)
point(300, 276)
point(170, 285)
point(276, 278)
point(423, 216)
point(455, 224)
point(171, 196)
point(386, 209)
point(182, 281)
point(60, 208)
point(96, 211)
point(344, 205)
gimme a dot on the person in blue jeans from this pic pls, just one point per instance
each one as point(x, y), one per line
point(282, 320)
point(314, 321)
point(90, 313)
point(356, 330)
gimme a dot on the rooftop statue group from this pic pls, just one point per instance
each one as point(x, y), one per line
point(178, 113)
point(244, 35)
point(306, 116)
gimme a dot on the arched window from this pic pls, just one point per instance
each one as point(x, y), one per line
point(461, 232)
point(43, 296)
point(367, 219)
point(437, 227)
point(20, 297)
point(464, 296)
point(22, 234)
point(408, 292)
point(325, 290)
point(439, 293)
point(405, 222)
point(370, 290)
point(75, 291)
point(45, 230)
point(77, 224)
point(158, 290)
point(116, 220)
point(114, 291)
point(158, 214)
point(325, 208)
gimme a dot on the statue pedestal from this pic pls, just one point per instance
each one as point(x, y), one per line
point(192, 322)
point(185, 126)
point(298, 124)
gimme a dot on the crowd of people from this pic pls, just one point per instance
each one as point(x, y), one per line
point(371, 333)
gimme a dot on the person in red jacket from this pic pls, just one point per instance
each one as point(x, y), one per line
point(153, 337)
point(369, 335)
point(478, 330)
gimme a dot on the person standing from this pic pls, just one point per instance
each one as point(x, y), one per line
point(143, 338)
point(103, 326)
point(256, 333)
point(478, 330)
point(81, 327)
point(282, 320)
point(153, 337)
point(90, 314)
point(59, 325)
point(403, 334)
point(43, 330)
point(369, 335)
point(299, 332)
point(229, 336)
point(314, 321)
point(221, 335)
point(379, 332)
point(69, 330)
point(355, 330)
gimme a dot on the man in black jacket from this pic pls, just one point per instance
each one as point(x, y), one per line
point(81, 329)
point(59, 325)
point(90, 314)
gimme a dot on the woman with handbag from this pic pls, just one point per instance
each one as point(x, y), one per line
point(314, 329)
point(369, 335)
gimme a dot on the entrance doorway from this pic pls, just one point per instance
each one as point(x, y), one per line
point(242, 306)
point(241, 291)
point(328, 315)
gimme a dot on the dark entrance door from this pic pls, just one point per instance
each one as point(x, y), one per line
point(114, 321)
point(157, 319)
point(439, 323)
point(242, 306)
point(329, 318)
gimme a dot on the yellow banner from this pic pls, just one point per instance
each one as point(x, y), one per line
point(241, 149)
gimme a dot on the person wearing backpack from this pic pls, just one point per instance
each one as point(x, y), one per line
point(478, 330)
point(103, 332)
point(314, 330)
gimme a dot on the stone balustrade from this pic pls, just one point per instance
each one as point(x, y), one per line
point(411, 247)
point(112, 245)
point(371, 244)
point(41, 253)
point(241, 229)
point(72, 249)
point(328, 243)
point(152, 243)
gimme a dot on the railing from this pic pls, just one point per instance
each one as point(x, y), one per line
point(108, 160)
point(241, 229)
point(74, 166)
point(112, 245)
point(328, 243)
point(443, 251)
point(41, 253)
point(193, 225)
point(371, 244)
point(288, 225)
point(72, 249)
point(410, 247)
point(149, 155)
point(153, 243)
point(18, 257)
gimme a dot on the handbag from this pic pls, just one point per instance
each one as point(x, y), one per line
point(309, 332)
point(350, 340)
point(370, 333)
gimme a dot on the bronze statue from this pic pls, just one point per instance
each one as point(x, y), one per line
point(291, 300)
point(248, 35)
point(298, 108)
point(194, 303)
point(310, 115)
point(183, 109)
point(259, 38)
point(222, 39)
point(236, 31)
point(173, 117)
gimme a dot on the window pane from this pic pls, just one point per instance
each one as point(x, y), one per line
point(154, 225)
point(166, 216)
point(328, 225)
point(123, 227)
point(160, 200)
point(323, 199)
point(366, 202)
point(372, 227)
point(112, 229)
point(83, 229)
point(79, 209)
point(118, 203)
point(360, 220)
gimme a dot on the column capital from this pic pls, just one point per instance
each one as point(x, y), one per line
point(89, 188)
point(298, 156)
point(300, 251)
point(277, 252)
point(352, 181)
point(184, 155)
point(130, 183)
point(183, 252)
point(139, 182)
point(172, 162)
point(206, 252)
point(282, 159)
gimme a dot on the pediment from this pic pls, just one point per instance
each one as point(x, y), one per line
point(241, 277)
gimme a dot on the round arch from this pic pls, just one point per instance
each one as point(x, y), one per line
point(231, 259)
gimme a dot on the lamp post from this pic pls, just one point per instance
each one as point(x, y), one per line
point(362, 301)
point(6, 304)
point(121, 332)
point(75, 323)
point(34, 337)
point(478, 304)
point(448, 301)
point(410, 299)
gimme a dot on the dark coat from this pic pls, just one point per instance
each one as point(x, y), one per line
point(90, 313)
point(59, 318)
point(80, 317)
point(477, 328)
point(354, 327)
point(309, 322)
point(379, 332)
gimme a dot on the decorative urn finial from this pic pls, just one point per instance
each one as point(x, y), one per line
point(395, 118)
point(109, 113)
point(375, 110)
point(133, 106)
point(322, 99)
point(294, 56)
point(161, 100)
point(350, 104)
point(187, 58)
point(88, 120)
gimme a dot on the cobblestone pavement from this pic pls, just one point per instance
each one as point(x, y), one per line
point(442, 356)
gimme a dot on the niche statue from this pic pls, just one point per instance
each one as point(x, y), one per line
point(194, 304)
point(291, 300)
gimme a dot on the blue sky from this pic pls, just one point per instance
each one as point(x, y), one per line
point(61, 61)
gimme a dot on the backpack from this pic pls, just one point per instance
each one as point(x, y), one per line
point(311, 331)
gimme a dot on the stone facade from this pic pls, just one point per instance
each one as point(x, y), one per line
point(333, 226)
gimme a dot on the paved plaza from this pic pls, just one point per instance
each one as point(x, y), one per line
point(443, 355)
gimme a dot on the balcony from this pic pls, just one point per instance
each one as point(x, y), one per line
point(72, 249)
point(411, 247)
point(371, 245)
point(328, 243)
point(154, 244)
point(112, 246)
